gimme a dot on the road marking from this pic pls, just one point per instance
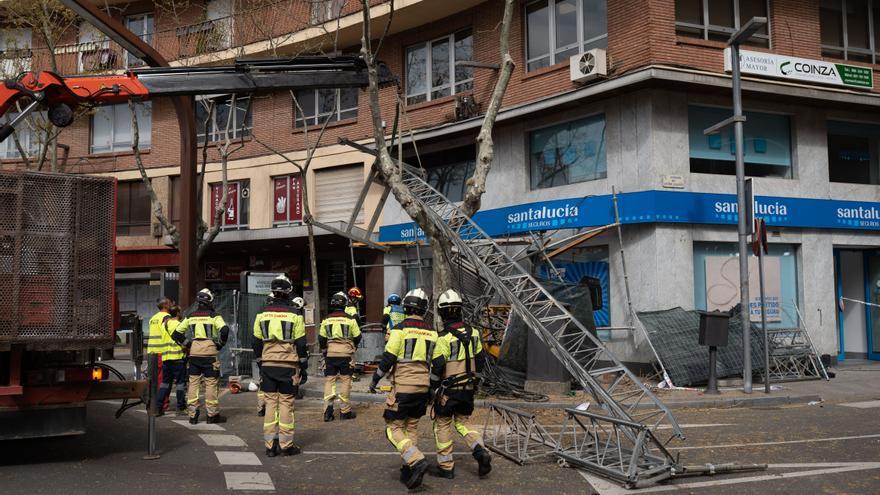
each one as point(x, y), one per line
point(863, 405)
point(607, 488)
point(370, 452)
point(199, 426)
point(783, 442)
point(249, 481)
point(215, 440)
point(238, 459)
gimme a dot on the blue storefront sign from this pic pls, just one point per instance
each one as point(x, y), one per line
point(660, 207)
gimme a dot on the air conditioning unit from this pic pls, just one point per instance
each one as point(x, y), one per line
point(588, 66)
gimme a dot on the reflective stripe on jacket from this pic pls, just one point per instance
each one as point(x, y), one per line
point(340, 330)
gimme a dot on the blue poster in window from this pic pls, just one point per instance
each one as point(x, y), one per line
point(574, 272)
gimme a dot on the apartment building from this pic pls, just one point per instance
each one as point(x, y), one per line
point(648, 77)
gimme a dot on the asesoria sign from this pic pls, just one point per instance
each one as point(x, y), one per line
point(801, 69)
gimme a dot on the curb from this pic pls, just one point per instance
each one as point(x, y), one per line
point(717, 403)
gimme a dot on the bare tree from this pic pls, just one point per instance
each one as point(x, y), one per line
point(391, 170)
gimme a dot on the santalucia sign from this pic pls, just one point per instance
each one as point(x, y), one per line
point(801, 69)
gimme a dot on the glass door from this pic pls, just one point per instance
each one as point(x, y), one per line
point(872, 296)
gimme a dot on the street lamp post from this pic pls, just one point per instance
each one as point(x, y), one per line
point(739, 37)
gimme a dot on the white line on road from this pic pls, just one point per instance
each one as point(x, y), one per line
point(782, 442)
point(249, 481)
point(607, 488)
point(199, 426)
point(215, 440)
point(863, 405)
point(369, 452)
point(238, 459)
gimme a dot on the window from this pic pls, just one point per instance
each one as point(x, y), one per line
point(317, 105)
point(112, 131)
point(238, 122)
point(325, 10)
point(716, 281)
point(143, 26)
point(717, 20)
point(132, 208)
point(558, 29)
point(29, 132)
point(850, 29)
point(448, 170)
point(219, 33)
point(433, 69)
point(94, 50)
point(417, 276)
point(237, 204)
point(853, 152)
point(766, 140)
point(287, 203)
point(15, 52)
point(568, 153)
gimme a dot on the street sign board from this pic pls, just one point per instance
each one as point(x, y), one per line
point(801, 69)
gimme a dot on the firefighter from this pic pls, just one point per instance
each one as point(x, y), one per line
point(156, 331)
point(173, 363)
point(204, 333)
point(338, 338)
point(280, 340)
point(297, 304)
point(353, 307)
point(392, 314)
point(454, 399)
point(413, 355)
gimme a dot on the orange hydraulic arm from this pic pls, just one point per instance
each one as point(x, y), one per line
point(60, 95)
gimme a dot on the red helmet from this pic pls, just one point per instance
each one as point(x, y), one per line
point(355, 293)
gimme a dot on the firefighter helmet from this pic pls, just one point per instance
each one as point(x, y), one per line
point(394, 299)
point(355, 294)
point(298, 303)
point(205, 296)
point(281, 286)
point(450, 298)
point(415, 302)
point(338, 301)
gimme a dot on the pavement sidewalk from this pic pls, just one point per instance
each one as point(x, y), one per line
point(855, 381)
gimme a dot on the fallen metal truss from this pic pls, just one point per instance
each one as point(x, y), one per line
point(517, 435)
point(793, 357)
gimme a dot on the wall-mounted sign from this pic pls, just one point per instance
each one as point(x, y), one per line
point(801, 69)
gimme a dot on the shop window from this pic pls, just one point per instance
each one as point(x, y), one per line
point(287, 206)
point(315, 106)
point(716, 281)
point(850, 29)
point(448, 170)
point(235, 116)
point(132, 208)
point(237, 211)
point(568, 153)
point(717, 20)
point(418, 277)
point(434, 70)
point(766, 143)
point(578, 264)
point(853, 152)
point(558, 29)
point(144, 27)
point(112, 130)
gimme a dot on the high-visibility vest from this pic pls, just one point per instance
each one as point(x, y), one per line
point(340, 330)
point(414, 343)
point(278, 322)
point(155, 338)
point(200, 327)
point(395, 315)
point(454, 351)
point(352, 310)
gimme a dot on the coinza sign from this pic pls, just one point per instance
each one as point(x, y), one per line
point(801, 69)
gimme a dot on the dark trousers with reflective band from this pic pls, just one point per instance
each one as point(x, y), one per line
point(277, 386)
point(173, 371)
point(402, 413)
point(337, 383)
point(453, 413)
point(203, 369)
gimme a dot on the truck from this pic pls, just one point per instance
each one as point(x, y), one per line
point(57, 304)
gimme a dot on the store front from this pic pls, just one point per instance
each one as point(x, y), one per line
point(857, 278)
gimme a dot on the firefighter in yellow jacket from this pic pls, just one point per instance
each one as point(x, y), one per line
point(204, 333)
point(298, 304)
point(280, 341)
point(173, 356)
point(338, 338)
point(413, 355)
point(454, 399)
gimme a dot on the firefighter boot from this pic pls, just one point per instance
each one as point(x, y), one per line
point(328, 413)
point(195, 418)
point(217, 418)
point(484, 460)
point(274, 450)
point(439, 472)
point(348, 415)
point(417, 472)
point(404, 473)
point(292, 450)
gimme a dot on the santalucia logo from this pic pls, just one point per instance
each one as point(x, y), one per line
point(543, 214)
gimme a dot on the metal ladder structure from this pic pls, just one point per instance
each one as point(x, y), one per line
point(619, 393)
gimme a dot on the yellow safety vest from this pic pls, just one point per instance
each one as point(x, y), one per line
point(352, 311)
point(200, 328)
point(395, 315)
point(278, 326)
point(453, 349)
point(414, 343)
point(340, 330)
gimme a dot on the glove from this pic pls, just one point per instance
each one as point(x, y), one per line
point(373, 384)
point(303, 376)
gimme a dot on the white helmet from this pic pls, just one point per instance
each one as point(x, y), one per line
point(281, 285)
point(205, 296)
point(416, 301)
point(298, 302)
point(450, 298)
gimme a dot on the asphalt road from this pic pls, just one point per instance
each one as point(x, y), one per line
point(811, 449)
